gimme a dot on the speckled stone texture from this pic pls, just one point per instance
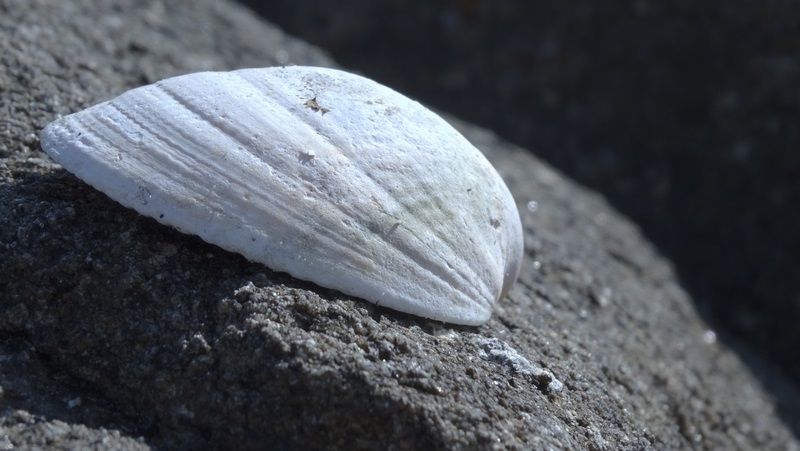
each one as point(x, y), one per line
point(119, 333)
point(683, 114)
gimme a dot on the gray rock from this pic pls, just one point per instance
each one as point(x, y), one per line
point(117, 332)
point(683, 114)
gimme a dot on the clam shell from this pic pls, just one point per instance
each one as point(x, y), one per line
point(328, 176)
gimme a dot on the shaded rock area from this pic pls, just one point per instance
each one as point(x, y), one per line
point(683, 114)
point(119, 333)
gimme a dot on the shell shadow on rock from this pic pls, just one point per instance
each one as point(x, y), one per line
point(328, 176)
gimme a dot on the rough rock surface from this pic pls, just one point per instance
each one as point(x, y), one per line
point(683, 114)
point(119, 333)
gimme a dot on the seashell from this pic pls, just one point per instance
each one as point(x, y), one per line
point(328, 176)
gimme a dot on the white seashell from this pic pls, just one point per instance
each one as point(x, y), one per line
point(319, 173)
